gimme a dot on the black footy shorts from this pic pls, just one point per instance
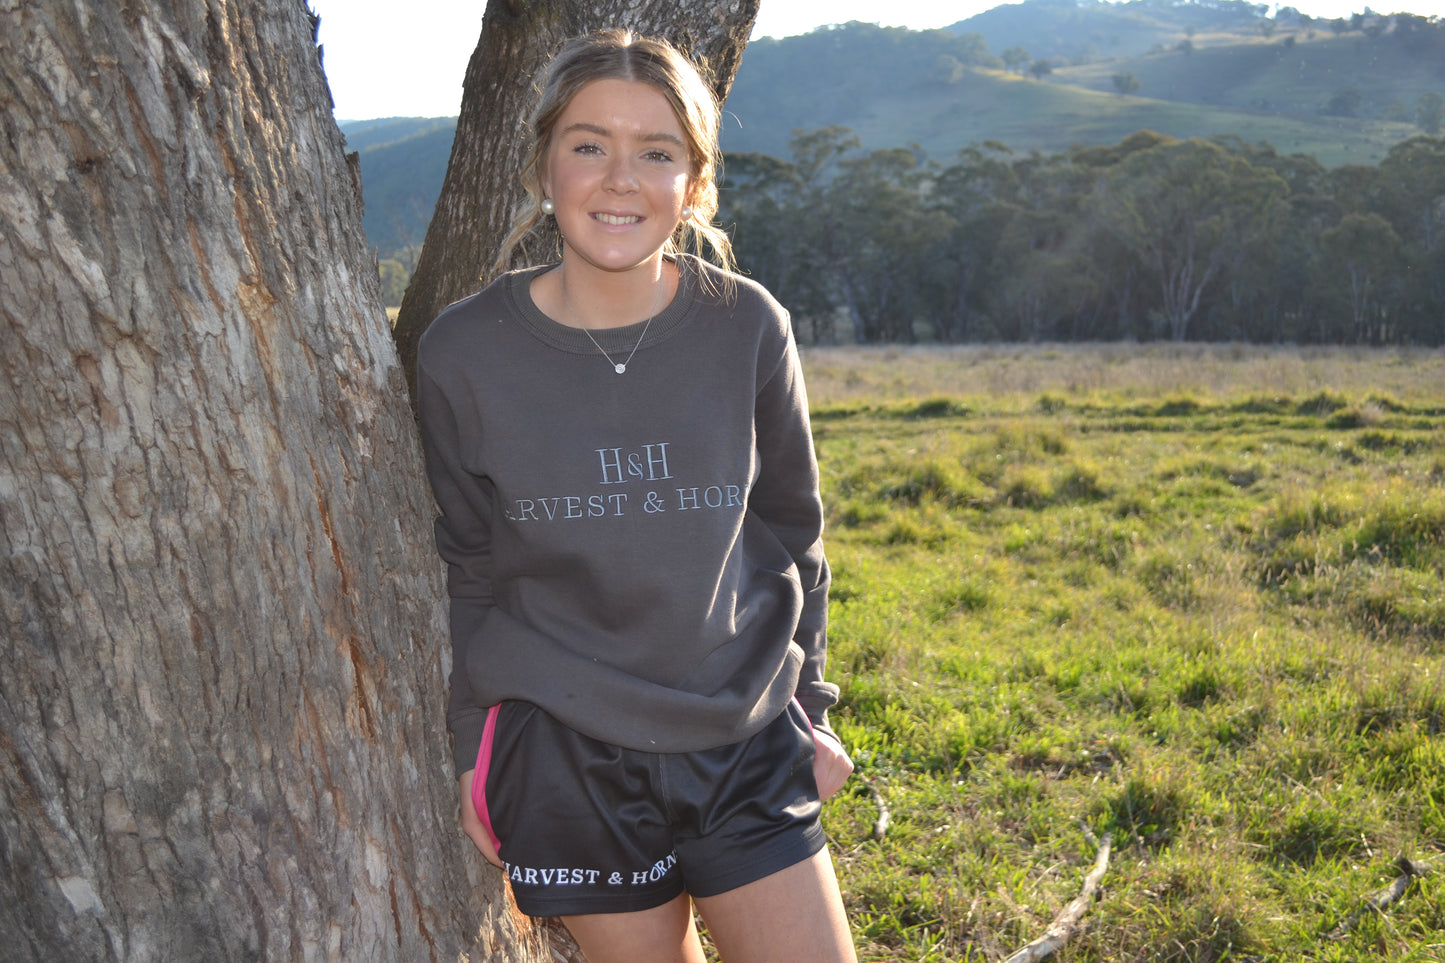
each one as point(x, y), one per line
point(587, 827)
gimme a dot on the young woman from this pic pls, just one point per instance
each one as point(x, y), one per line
point(620, 449)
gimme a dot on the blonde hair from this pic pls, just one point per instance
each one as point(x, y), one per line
point(622, 55)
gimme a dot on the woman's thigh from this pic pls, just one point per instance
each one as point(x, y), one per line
point(795, 914)
point(664, 933)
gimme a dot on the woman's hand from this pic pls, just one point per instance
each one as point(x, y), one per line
point(472, 826)
point(831, 765)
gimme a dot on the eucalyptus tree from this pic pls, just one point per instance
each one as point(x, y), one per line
point(1117, 301)
point(1359, 267)
point(1040, 285)
point(772, 214)
point(820, 243)
point(1411, 196)
point(220, 683)
point(1185, 210)
point(888, 237)
point(980, 195)
point(1278, 303)
point(1411, 190)
point(1040, 291)
point(759, 200)
point(1354, 187)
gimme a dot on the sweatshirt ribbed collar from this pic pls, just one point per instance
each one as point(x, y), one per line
point(575, 340)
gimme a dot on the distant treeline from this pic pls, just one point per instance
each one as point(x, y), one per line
point(1152, 238)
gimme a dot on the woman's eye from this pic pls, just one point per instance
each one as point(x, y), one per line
point(660, 156)
point(587, 148)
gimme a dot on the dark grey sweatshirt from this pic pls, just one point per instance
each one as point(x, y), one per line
point(639, 554)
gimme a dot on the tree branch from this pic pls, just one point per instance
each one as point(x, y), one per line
point(1409, 869)
point(1064, 925)
point(885, 819)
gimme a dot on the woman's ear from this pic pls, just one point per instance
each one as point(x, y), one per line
point(544, 179)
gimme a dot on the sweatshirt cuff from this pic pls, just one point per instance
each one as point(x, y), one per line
point(816, 704)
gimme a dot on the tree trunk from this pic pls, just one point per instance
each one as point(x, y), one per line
point(481, 189)
point(223, 673)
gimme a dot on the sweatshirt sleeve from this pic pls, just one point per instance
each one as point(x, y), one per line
point(463, 540)
point(786, 498)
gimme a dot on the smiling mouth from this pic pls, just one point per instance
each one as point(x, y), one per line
point(617, 219)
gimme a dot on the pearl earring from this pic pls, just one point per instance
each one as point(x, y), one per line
point(548, 206)
point(687, 212)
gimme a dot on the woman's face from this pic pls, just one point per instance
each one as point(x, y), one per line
point(618, 170)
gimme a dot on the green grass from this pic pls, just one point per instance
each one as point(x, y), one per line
point(1202, 611)
point(1290, 74)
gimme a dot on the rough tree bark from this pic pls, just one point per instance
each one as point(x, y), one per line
point(481, 188)
point(221, 680)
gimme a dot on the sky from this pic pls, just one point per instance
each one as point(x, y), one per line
point(381, 63)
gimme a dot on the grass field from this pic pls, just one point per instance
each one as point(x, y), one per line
point(1028, 115)
point(1190, 597)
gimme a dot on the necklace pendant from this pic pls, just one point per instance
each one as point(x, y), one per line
point(619, 368)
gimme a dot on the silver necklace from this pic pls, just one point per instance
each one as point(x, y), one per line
point(620, 368)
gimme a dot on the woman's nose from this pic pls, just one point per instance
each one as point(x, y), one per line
point(621, 175)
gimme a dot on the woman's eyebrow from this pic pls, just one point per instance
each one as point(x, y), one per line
point(600, 131)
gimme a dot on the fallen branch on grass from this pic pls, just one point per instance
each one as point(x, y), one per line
point(884, 819)
point(1409, 869)
point(1067, 922)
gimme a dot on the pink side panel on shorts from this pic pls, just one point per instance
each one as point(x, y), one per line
point(479, 777)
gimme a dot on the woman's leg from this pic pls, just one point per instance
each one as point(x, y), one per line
point(664, 933)
point(794, 915)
